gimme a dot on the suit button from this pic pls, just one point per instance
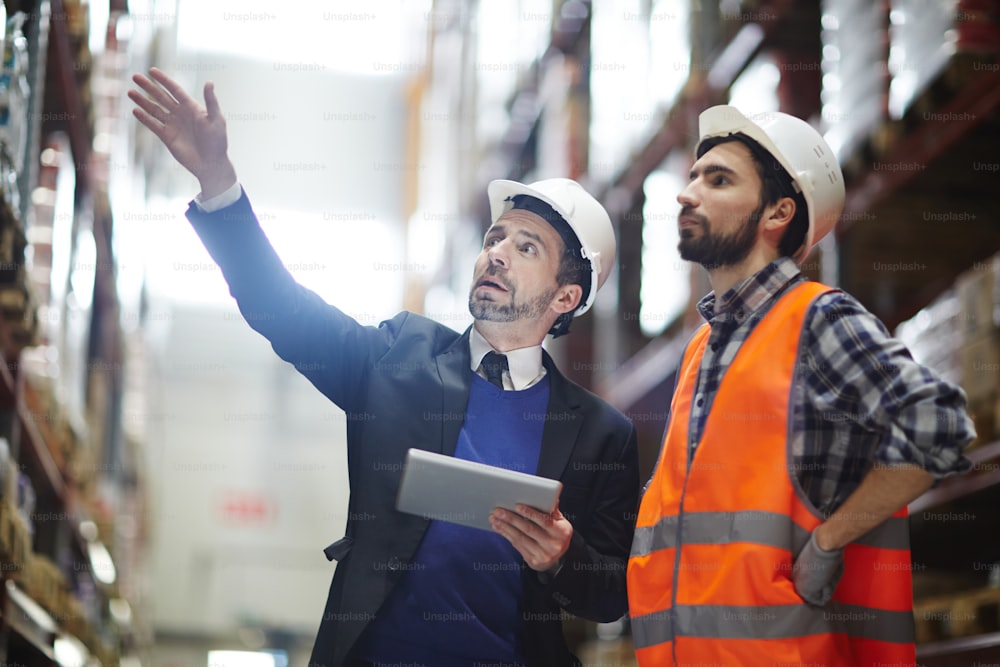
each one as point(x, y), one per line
point(393, 564)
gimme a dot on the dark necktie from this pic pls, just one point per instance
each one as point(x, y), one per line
point(495, 364)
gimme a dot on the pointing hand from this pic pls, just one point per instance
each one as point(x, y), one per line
point(195, 135)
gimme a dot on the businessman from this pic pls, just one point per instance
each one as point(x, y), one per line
point(407, 590)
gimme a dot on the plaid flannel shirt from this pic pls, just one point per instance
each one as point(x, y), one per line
point(860, 398)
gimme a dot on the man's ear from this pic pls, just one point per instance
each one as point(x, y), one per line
point(567, 298)
point(781, 214)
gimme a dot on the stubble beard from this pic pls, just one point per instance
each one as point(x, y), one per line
point(511, 311)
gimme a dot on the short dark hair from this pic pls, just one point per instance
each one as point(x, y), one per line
point(573, 270)
point(776, 183)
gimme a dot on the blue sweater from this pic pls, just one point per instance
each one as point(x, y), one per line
point(459, 603)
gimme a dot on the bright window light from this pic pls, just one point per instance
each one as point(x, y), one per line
point(322, 251)
point(70, 652)
point(247, 659)
point(622, 104)
point(355, 36)
point(670, 50)
point(665, 281)
point(755, 91)
point(101, 563)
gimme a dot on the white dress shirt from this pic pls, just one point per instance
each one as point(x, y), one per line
point(524, 365)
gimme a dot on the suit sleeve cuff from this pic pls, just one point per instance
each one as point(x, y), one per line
point(219, 201)
point(577, 551)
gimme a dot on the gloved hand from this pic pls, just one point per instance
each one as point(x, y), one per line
point(816, 572)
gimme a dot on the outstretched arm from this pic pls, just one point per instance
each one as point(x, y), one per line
point(195, 135)
point(326, 345)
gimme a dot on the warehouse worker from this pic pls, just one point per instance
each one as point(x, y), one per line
point(773, 530)
point(408, 590)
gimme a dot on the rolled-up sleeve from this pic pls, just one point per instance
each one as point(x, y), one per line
point(869, 377)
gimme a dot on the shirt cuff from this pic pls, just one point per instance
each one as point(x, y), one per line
point(219, 201)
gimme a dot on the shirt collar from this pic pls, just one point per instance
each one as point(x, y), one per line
point(748, 296)
point(524, 364)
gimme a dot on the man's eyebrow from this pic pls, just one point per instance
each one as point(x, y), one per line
point(500, 229)
point(532, 235)
point(713, 169)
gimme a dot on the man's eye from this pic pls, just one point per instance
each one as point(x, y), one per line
point(529, 249)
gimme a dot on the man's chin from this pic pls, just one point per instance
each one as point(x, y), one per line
point(687, 253)
point(488, 311)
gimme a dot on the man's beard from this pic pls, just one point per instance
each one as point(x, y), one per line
point(715, 251)
point(511, 311)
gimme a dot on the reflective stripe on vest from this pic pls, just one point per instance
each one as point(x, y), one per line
point(774, 622)
point(717, 532)
point(765, 528)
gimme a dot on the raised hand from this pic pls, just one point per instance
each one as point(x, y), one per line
point(195, 135)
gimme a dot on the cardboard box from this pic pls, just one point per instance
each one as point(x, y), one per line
point(980, 362)
point(957, 615)
point(15, 543)
point(984, 420)
point(46, 584)
point(934, 335)
point(978, 291)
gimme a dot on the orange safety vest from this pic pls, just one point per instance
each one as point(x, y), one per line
point(709, 576)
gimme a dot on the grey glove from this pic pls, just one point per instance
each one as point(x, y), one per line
point(816, 572)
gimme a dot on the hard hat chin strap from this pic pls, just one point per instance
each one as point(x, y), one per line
point(561, 325)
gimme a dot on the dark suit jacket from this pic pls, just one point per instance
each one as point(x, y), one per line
point(406, 384)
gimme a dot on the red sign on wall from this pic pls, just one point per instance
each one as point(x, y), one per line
point(247, 508)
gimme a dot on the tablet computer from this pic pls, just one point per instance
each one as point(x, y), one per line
point(442, 487)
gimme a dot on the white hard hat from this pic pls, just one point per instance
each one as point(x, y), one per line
point(801, 150)
point(584, 215)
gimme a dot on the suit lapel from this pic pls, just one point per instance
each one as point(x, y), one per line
point(453, 367)
point(562, 425)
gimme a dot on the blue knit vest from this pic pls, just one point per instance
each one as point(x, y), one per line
point(459, 603)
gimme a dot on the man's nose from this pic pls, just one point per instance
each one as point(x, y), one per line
point(497, 254)
point(688, 196)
